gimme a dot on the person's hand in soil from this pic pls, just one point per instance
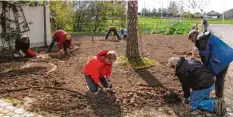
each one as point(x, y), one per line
point(61, 51)
point(187, 107)
point(105, 90)
point(185, 103)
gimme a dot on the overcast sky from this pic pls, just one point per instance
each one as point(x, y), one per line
point(216, 5)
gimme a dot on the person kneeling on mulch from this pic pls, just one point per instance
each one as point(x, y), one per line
point(193, 75)
point(22, 47)
point(98, 70)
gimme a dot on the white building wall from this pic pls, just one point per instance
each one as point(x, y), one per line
point(35, 19)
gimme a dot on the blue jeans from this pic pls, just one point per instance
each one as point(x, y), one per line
point(93, 87)
point(200, 99)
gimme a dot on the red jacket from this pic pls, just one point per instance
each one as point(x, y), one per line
point(60, 36)
point(97, 67)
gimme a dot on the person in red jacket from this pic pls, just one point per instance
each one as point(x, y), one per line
point(98, 70)
point(63, 40)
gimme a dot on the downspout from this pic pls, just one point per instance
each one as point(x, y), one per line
point(45, 29)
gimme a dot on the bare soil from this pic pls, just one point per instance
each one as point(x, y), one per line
point(56, 82)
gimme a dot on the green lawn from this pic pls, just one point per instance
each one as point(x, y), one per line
point(149, 24)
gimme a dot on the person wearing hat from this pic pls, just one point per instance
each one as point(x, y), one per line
point(193, 75)
point(215, 55)
point(63, 40)
point(22, 47)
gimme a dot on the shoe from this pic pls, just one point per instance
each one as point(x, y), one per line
point(220, 106)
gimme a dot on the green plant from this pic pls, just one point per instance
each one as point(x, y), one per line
point(177, 29)
point(143, 62)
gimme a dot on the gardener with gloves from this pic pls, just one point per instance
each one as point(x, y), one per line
point(193, 75)
point(215, 55)
point(63, 39)
point(98, 70)
point(114, 30)
point(22, 47)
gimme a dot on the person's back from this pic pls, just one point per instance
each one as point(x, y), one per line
point(112, 28)
point(221, 54)
point(192, 74)
point(60, 35)
point(196, 75)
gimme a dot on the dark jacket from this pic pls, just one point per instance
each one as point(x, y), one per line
point(201, 44)
point(20, 45)
point(193, 75)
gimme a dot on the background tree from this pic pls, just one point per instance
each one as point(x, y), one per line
point(62, 13)
point(198, 5)
point(154, 12)
point(80, 16)
point(172, 9)
point(92, 16)
point(180, 5)
point(132, 50)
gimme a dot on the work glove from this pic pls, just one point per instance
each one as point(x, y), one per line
point(186, 101)
point(61, 51)
point(22, 54)
point(105, 90)
point(67, 51)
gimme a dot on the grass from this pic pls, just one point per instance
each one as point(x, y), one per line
point(143, 62)
point(149, 25)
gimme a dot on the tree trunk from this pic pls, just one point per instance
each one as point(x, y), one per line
point(132, 50)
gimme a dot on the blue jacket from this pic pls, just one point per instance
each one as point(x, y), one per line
point(218, 54)
point(124, 31)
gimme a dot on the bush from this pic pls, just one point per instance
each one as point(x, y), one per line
point(177, 29)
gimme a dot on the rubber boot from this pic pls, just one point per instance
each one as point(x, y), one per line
point(219, 107)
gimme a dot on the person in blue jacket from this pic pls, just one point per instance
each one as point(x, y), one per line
point(124, 32)
point(215, 55)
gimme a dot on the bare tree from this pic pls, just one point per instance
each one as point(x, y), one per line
point(198, 4)
point(132, 50)
point(181, 8)
point(172, 8)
